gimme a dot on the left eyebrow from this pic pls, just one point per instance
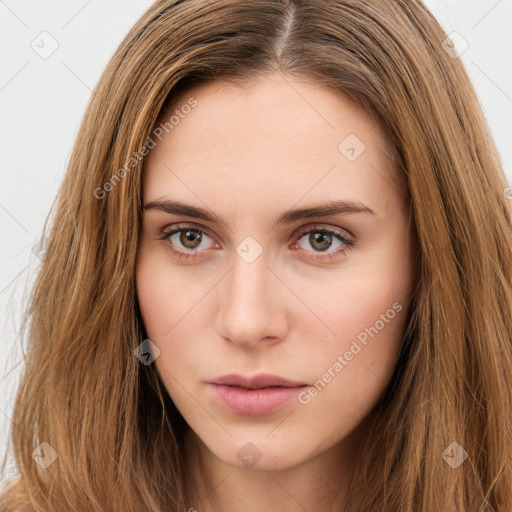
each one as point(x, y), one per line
point(322, 210)
point(289, 216)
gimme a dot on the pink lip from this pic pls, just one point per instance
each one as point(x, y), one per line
point(262, 380)
point(253, 396)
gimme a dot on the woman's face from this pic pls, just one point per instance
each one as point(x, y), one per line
point(274, 280)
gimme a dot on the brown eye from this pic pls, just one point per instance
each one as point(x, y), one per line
point(320, 240)
point(190, 239)
point(322, 243)
point(187, 242)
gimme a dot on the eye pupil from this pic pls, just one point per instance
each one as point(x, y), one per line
point(189, 238)
point(324, 239)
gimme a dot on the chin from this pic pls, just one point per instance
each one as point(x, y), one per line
point(265, 455)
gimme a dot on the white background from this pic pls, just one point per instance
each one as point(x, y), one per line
point(42, 102)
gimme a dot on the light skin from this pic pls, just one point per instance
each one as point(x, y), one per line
point(247, 153)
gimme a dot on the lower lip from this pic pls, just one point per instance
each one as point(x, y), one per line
point(254, 402)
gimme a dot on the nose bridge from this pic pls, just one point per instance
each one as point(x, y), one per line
point(248, 308)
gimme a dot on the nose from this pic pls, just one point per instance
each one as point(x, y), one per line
point(251, 307)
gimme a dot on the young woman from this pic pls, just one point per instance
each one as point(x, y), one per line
point(279, 275)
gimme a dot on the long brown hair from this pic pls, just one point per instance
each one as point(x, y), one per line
point(116, 432)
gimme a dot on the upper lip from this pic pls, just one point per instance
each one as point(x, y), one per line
point(262, 380)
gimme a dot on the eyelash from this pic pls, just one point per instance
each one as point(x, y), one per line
point(317, 255)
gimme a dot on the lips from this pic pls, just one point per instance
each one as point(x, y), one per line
point(263, 380)
point(253, 396)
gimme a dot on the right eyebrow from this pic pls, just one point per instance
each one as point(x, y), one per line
point(178, 208)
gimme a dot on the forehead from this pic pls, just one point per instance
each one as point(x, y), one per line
point(274, 103)
point(266, 136)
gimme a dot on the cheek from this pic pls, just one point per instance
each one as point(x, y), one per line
point(352, 372)
point(171, 303)
point(352, 303)
point(152, 300)
point(367, 310)
point(164, 295)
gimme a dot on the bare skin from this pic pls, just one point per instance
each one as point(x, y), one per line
point(248, 153)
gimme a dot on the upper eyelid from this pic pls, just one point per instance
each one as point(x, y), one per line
point(322, 227)
point(179, 226)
